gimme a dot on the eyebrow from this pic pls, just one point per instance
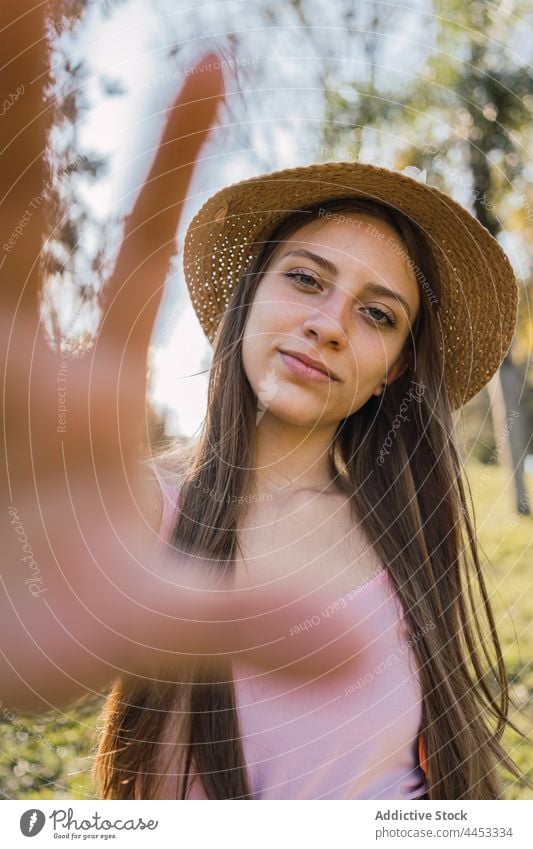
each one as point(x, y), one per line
point(371, 286)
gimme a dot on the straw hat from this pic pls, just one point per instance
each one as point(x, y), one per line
point(477, 309)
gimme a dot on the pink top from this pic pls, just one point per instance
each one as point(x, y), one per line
point(358, 741)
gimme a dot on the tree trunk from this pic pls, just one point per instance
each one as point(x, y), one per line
point(511, 435)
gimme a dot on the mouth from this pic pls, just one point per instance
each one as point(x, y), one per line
point(305, 370)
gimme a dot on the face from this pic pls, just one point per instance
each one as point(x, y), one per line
point(350, 307)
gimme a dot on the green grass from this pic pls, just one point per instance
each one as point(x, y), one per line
point(51, 757)
point(506, 540)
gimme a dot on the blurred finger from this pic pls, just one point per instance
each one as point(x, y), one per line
point(149, 241)
point(25, 120)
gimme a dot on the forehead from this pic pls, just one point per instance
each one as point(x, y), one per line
point(346, 232)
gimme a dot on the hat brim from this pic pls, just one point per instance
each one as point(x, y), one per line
point(477, 308)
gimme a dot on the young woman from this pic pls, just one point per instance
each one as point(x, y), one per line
point(352, 310)
point(83, 596)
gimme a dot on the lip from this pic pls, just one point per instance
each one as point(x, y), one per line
point(304, 366)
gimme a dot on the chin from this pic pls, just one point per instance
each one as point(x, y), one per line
point(297, 413)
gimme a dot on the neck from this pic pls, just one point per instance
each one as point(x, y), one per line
point(289, 458)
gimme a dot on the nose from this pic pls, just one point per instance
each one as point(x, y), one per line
point(327, 325)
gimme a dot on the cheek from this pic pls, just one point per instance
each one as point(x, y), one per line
point(269, 312)
point(268, 318)
point(256, 348)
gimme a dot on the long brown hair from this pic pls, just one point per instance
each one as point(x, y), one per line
point(412, 504)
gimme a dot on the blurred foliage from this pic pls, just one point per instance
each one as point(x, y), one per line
point(76, 255)
point(51, 757)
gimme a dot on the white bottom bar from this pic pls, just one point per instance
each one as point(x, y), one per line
point(269, 824)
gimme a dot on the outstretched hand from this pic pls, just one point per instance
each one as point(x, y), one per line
point(83, 598)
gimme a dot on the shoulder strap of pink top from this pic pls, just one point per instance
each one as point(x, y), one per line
point(171, 496)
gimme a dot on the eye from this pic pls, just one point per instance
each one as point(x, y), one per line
point(309, 283)
point(383, 319)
